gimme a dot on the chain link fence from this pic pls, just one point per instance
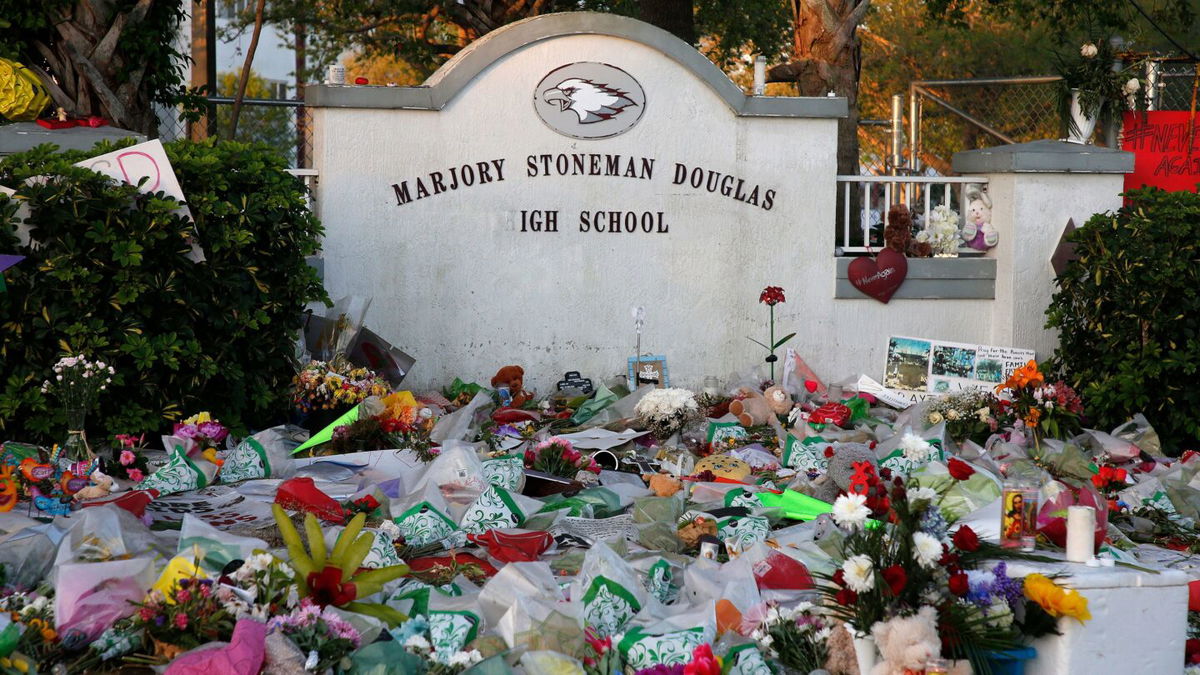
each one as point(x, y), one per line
point(282, 124)
point(1175, 84)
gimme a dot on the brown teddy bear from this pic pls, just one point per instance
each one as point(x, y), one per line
point(897, 235)
point(752, 411)
point(513, 377)
point(779, 400)
point(839, 649)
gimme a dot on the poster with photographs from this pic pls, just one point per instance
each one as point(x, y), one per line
point(922, 367)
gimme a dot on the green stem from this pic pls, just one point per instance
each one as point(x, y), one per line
point(772, 343)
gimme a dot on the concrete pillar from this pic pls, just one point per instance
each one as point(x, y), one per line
point(1035, 189)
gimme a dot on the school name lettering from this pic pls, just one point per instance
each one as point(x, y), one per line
point(581, 164)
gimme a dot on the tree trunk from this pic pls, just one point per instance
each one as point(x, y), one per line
point(826, 58)
point(301, 35)
point(91, 75)
point(674, 16)
point(245, 78)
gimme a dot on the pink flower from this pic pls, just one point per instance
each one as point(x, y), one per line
point(135, 475)
point(146, 614)
point(181, 621)
point(572, 455)
point(205, 591)
point(127, 458)
point(183, 595)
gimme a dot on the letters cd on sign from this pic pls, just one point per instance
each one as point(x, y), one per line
point(589, 100)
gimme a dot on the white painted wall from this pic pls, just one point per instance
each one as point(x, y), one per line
point(1030, 211)
point(456, 284)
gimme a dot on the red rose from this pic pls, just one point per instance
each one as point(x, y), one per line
point(846, 597)
point(828, 451)
point(896, 578)
point(959, 584)
point(966, 539)
point(959, 469)
point(839, 577)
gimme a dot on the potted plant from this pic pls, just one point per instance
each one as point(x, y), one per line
point(1094, 88)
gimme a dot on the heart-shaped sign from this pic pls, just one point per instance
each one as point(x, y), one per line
point(878, 278)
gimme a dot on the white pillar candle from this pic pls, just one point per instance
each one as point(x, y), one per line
point(1081, 533)
point(760, 75)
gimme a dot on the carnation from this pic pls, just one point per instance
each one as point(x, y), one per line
point(915, 448)
point(927, 548)
point(860, 573)
point(850, 511)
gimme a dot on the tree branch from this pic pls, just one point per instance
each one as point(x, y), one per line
point(241, 91)
point(103, 53)
point(115, 108)
point(845, 32)
point(60, 97)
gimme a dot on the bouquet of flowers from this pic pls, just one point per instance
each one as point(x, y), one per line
point(941, 230)
point(967, 414)
point(795, 637)
point(35, 615)
point(413, 635)
point(665, 412)
point(1047, 410)
point(190, 615)
point(321, 632)
point(127, 461)
point(558, 457)
point(262, 587)
point(1102, 93)
point(77, 383)
point(324, 386)
point(909, 560)
point(203, 431)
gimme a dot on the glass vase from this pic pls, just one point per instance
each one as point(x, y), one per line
point(76, 448)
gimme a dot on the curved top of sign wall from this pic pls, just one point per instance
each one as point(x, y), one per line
point(458, 72)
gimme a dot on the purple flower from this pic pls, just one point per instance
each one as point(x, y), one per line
point(160, 620)
point(213, 430)
point(507, 430)
point(185, 431)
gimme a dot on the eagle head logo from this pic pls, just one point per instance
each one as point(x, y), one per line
point(591, 101)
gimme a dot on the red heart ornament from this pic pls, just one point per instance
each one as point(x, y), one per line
point(878, 278)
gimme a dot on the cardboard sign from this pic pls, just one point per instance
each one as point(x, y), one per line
point(146, 161)
point(1166, 149)
point(920, 367)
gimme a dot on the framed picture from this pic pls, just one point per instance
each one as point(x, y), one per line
point(648, 370)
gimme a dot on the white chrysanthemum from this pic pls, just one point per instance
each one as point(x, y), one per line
point(860, 573)
point(823, 634)
point(927, 548)
point(850, 511)
point(417, 642)
point(915, 448)
point(1088, 50)
point(390, 529)
point(918, 493)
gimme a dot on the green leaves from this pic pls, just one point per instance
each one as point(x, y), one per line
point(109, 279)
point(1128, 313)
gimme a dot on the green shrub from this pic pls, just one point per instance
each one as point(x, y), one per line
point(1129, 314)
point(109, 279)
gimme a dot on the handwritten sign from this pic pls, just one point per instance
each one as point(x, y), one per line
point(1166, 149)
point(919, 367)
point(145, 165)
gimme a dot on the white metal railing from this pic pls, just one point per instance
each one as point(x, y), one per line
point(876, 194)
point(309, 176)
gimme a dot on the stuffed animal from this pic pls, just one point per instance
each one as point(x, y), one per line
point(841, 467)
point(512, 377)
point(752, 411)
point(724, 466)
point(103, 486)
point(906, 644)
point(664, 485)
point(779, 400)
point(690, 532)
point(840, 657)
point(897, 235)
point(978, 231)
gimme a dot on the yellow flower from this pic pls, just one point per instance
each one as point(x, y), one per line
point(1074, 605)
point(21, 665)
point(48, 634)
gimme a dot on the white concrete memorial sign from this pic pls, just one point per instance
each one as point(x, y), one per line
point(558, 172)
